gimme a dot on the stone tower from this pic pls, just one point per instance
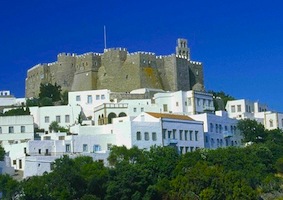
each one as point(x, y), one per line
point(182, 48)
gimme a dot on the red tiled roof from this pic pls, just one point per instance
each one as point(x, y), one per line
point(170, 116)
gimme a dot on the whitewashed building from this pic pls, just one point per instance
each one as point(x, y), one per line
point(219, 130)
point(16, 129)
point(273, 120)
point(148, 129)
point(242, 108)
point(89, 99)
point(66, 115)
point(184, 102)
point(7, 99)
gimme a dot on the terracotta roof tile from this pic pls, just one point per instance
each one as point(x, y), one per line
point(170, 116)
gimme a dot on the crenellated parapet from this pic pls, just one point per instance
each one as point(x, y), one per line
point(118, 70)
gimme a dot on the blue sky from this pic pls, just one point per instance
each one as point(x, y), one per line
point(240, 43)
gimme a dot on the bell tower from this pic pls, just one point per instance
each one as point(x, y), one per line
point(182, 48)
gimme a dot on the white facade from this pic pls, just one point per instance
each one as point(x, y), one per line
point(5, 93)
point(273, 120)
point(38, 165)
point(89, 99)
point(219, 130)
point(242, 108)
point(16, 129)
point(148, 129)
point(6, 99)
point(104, 113)
point(184, 102)
point(66, 116)
point(17, 153)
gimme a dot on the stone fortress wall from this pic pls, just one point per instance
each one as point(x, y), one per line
point(119, 71)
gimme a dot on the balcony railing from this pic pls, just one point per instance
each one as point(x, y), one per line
point(170, 141)
point(227, 134)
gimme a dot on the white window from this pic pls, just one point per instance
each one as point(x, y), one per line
point(239, 108)
point(191, 135)
point(174, 133)
point(177, 104)
point(271, 123)
point(180, 134)
point(68, 148)
point(67, 118)
point(164, 133)
point(78, 98)
point(142, 109)
point(96, 148)
point(102, 96)
point(146, 136)
point(97, 97)
point(138, 135)
point(85, 148)
point(186, 135)
point(165, 107)
point(233, 109)
point(211, 127)
point(0, 129)
point(46, 119)
point(23, 129)
point(135, 109)
point(196, 135)
point(154, 136)
point(169, 134)
point(89, 99)
point(58, 118)
point(109, 146)
point(11, 129)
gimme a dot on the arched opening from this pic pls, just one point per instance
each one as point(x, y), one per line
point(99, 120)
point(122, 114)
point(110, 117)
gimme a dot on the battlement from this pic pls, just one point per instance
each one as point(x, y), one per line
point(182, 56)
point(195, 62)
point(63, 54)
point(88, 54)
point(115, 49)
point(51, 64)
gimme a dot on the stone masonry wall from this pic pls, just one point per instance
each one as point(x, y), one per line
point(118, 71)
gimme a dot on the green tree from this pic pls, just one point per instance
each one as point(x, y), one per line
point(17, 111)
point(279, 165)
point(45, 101)
point(2, 153)
point(8, 186)
point(54, 126)
point(252, 131)
point(220, 99)
point(120, 154)
point(50, 91)
point(64, 100)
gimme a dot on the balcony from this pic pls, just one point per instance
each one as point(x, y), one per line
point(227, 134)
point(170, 142)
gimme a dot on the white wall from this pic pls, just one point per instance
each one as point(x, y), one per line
point(219, 130)
point(81, 98)
point(16, 129)
point(43, 116)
